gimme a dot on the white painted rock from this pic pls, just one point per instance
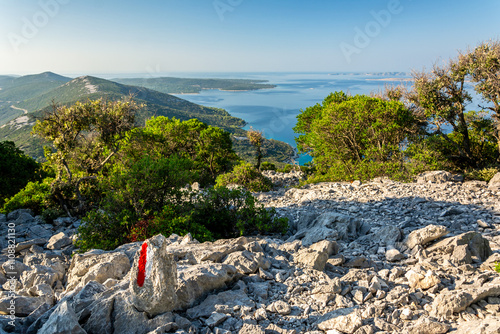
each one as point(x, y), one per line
point(153, 279)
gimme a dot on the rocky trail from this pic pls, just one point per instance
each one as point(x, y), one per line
point(373, 257)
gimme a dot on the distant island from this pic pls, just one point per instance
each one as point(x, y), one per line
point(170, 85)
point(381, 74)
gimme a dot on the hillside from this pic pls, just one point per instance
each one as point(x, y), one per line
point(155, 104)
point(172, 85)
point(29, 86)
point(15, 89)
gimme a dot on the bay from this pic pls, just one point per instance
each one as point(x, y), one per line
point(274, 111)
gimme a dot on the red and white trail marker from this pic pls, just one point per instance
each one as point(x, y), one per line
point(145, 265)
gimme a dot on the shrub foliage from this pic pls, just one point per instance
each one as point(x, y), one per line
point(247, 176)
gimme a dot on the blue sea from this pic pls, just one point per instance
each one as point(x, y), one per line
point(274, 111)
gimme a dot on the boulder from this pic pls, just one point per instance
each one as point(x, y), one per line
point(494, 183)
point(279, 307)
point(27, 244)
point(21, 215)
point(153, 278)
point(226, 299)
point(326, 246)
point(38, 232)
point(491, 262)
point(454, 301)
point(208, 251)
point(251, 329)
point(419, 281)
point(472, 242)
point(23, 305)
point(483, 326)
point(387, 236)
point(437, 176)
point(196, 281)
point(59, 241)
point(425, 235)
point(40, 275)
point(117, 314)
point(425, 325)
point(330, 225)
point(342, 320)
point(393, 255)
point(96, 266)
point(247, 263)
point(14, 268)
point(62, 320)
point(311, 258)
point(347, 228)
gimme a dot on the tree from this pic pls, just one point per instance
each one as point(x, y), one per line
point(85, 137)
point(256, 139)
point(208, 147)
point(354, 136)
point(16, 169)
point(442, 97)
point(483, 67)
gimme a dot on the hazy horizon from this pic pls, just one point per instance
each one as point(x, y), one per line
point(169, 36)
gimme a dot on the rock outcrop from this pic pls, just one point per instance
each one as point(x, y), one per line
point(373, 257)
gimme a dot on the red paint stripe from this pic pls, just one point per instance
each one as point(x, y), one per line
point(141, 270)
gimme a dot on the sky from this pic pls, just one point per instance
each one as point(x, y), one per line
point(80, 37)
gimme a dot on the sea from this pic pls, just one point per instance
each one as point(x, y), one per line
point(274, 111)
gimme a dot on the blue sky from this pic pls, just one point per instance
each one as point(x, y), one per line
point(167, 36)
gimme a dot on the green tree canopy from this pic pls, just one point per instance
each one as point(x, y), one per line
point(16, 169)
point(483, 67)
point(354, 136)
point(85, 137)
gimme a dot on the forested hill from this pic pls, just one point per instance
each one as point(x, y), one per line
point(84, 88)
point(172, 85)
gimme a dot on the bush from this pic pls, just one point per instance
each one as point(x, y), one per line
point(16, 170)
point(103, 230)
point(230, 213)
point(286, 169)
point(247, 176)
point(35, 196)
point(485, 174)
point(355, 137)
point(266, 165)
point(210, 214)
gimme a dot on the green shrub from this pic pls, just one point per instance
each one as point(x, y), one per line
point(485, 174)
point(230, 213)
point(35, 196)
point(170, 220)
point(16, 170)
point(102, 229)
point(209, 214)
point(266, 165)
point(286, 169)
point(497, 267)
point(247, 176)
point(355, 137)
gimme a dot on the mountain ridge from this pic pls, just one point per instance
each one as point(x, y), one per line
point(155, 103)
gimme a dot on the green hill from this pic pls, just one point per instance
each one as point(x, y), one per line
point(29, 86)
point(5, 79)
point(155, 104)
point(172, 85)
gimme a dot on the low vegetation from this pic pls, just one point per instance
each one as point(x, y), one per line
point(401, 132)
point(247, 176)
point(129, 183)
